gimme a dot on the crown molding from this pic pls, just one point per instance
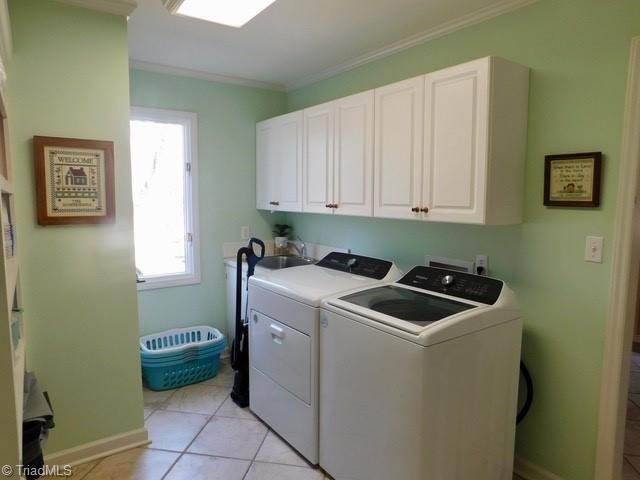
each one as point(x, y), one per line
point(212, 77)
point(441, 30)
point(116, 7)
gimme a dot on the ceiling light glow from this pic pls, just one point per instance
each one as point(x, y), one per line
point(234, 13)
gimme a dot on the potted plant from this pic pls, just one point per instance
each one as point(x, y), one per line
point(281, 232)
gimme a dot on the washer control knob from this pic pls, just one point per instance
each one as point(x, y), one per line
point(447, 280)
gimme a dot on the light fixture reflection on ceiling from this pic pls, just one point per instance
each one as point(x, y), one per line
point(234, 13)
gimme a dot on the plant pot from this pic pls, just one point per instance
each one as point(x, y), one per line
point(280, 242)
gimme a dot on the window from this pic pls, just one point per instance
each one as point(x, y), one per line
point(165, 220)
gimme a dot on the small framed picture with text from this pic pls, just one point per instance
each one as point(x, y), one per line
point(572, 180)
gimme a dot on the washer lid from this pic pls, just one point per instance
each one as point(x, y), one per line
point(309, 284)
point(415, 307)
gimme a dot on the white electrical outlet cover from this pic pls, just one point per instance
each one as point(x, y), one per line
point(244, 233)
point(482, 261)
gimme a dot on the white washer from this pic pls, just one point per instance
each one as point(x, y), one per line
point(284, 313)
point(419, 379)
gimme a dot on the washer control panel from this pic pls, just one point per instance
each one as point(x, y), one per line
point(356, 264)
point(458, 284)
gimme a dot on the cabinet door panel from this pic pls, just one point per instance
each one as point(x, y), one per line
point(318, 159)
point(455, 148)
point(354, 154)
point(288, 163)
point(265, 174)
point(398, 148)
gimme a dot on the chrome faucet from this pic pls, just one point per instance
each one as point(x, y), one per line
point(299, 246)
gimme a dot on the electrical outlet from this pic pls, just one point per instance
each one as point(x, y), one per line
point(244, 233)
point(482, 262)
point(593, 249)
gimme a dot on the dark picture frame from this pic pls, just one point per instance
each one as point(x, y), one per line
point(74, 181)
point(573, 180)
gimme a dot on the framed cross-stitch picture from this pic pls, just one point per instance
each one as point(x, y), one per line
point(74, 181)
point(572, 180)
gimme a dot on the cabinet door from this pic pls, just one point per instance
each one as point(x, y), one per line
point(288, 161)
point(353, 164)
point(318, 159)
point(279, 163)
point(455, 142)
point(266, 133)
point(398, 148)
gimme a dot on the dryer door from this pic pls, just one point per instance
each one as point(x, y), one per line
point(282, 354)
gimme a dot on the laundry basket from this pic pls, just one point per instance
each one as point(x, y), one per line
point(180, 356)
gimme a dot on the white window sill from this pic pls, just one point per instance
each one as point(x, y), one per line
point(168, 282)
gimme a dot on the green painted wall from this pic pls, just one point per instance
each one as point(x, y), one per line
point(227, 116)
point(578, 53)
point(69, 78)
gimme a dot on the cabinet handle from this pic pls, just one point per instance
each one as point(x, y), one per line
point(274, 203)
point(334, 205)
point(415, 209)
point(328, 205)
point(424, 209)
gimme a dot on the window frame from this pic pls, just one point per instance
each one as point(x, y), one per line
point(189, 121)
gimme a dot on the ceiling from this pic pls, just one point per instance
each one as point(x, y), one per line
point(295, 42)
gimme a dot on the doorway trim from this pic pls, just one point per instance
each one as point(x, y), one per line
point(623, 292)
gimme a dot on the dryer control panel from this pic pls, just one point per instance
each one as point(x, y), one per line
point(451, 282)
point(356, 264)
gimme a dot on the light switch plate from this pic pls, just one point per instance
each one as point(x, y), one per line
point(593, 249)
point(244, 233)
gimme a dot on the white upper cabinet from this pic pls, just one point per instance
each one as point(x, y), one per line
point(449, 146)
point(474, 142)
point(338, 156)
point(279, 163)
point(455, 143)
point(353, 159)
point(318, 159)
point(398, 149)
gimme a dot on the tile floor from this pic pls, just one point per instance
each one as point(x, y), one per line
point(198, 433)
point(631, 468)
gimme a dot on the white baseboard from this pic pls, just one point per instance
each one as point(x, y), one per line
point(91, 451)
point(531, 471)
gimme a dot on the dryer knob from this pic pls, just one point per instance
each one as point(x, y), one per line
point(447, 280)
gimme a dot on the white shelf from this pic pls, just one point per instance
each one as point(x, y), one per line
point(18, 387)
point(18, 371)
point(5, 185)
point(11, 268)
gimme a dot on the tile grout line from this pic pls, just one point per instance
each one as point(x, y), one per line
point(253, 460)
point(626, 459)
point(90, 469)
point(194, 438)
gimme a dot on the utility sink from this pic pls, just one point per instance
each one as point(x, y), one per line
point(278, 262)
